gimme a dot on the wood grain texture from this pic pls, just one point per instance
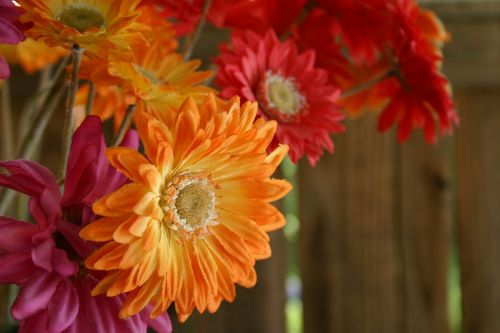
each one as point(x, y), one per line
point(4, 312)
point(426, 193)
point(472, 58)
point(478, 170)
point(473, 64)
point(348, 253)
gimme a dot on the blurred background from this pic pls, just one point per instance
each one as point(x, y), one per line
point(382, 237)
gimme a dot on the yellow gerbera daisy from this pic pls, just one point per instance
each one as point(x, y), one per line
point(95, 25)
point(194, 218)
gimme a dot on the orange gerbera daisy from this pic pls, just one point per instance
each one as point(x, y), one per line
point(32, 55)
point(194, 218)
point(155, 74)
point(157, 80)
point(95, 25)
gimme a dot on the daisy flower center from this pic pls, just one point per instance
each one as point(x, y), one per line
point(80, 16)
point(191, 203)
point(281, 96)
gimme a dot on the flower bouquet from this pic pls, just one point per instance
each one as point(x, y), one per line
point(163, 197)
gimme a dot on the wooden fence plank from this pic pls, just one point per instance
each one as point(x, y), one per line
point(4, 296)
point(426, 216)
point(478, 172)
point(473, 64)
point(375, 233)
point(348, 253)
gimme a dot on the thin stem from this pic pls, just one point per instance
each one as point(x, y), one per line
point(212, 68)
point(32, 140)
point(90, 99)
point(366, 85)
point(70, 105)
point(6, 199)
point(30, 143)
point(197, 33)
point(124, 126)
point(7, 135)
point(40, 97)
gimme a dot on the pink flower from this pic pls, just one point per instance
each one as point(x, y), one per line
point(287, 86)
point(45, 258)
point(9, 30)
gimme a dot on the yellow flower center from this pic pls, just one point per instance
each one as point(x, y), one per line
point(80, 16)
point(283, 95)
point(189, 204)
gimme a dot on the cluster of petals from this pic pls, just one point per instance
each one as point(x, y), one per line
point(10, 32)
point(255, 15)
point(195, 217)
point(303, 101)
point(45, 258)
point(395, 41)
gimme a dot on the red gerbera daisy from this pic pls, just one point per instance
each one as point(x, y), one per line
point(394, 42)
point(288, 88)
point(256, 15)
point(419, 95)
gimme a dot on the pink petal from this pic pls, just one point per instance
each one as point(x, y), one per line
point(37, 182)
point(63, 308)
point(35, 295)
point(131, 139)
point(70, 232)
point(36, 323)
point(87, 151)
point(41, 254)
point(9, 33)
point(4, 69)
point(161, 324)
point(89, 175)
point(16, 268)
point(15, 236)
point(62, 264)
point(28, 177)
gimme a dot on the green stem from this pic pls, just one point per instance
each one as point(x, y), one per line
point(39, 99)
point(33, 139)
point(7, 135)
point(70, 105)
point(124, 126)
point(90, 99)
point(197, 33)
point(366, 85)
